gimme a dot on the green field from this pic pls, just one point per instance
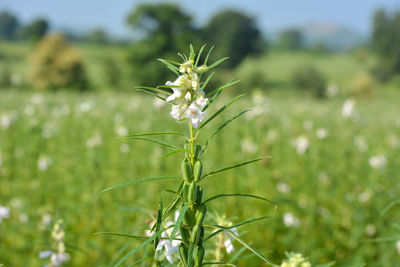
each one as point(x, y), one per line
point(58, 151)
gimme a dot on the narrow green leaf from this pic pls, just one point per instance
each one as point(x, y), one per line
point(217, 62)
point(239, 195)
point(175, 203)
point(207, 80)
point(154, 133)
point(248, 246)
point(145, 243)
point(199, 55)
point(173, 68)
point(237, 254)
point(144, 180)
point(153, 94)
point(158, 223)
point(154, 89)
point(172, 62)
point(208, 54)
point(220, 111)
point(119, 253)
point(235, 166)
point(174, 152)
point(223, 87)
point(391, 205)
point(138, 237)
point(222, 126)
point(156, 141)
point(183, 57)
point(191, 54)
point(212, 99)
point(218, 263)
point(235, 226)
point(178, 222)
point(136, 209)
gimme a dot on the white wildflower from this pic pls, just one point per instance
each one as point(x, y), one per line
point(348, 108)
point(195, 115)
point(360, 143)
point(5, 121)
point(59, 257)
point(124, 148)
point(86, 106)
point(248, 146)
point(283, 187)
point(377, 162)
point(94, 141)
point(4, 213)
point(179, 87)
point(46, 220)
point(370, 230)
point(272, 135)
point(37, 99)
point(121, 131)
point(295, 260)
point(301, 144)
point(321, 133)
point(289, 220)
point(364, 196)
point(44, 162)
point(178, 111)
point(158, 103)
point(332, 90)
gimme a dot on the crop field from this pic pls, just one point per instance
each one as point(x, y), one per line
point(330, 175)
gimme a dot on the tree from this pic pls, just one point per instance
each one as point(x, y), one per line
point(165, 29)
point(386, 42)
point(291, 39)
point(98, 36)
point(235, 35)
point(9, 26)
point(36, 29)
point(56, 64)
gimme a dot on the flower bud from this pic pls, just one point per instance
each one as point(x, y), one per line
point(186, 171)
point(198, 171)
point(198, 152)
point(187, 219)
point(201, 69)
point(185, 191)
point(201, 214)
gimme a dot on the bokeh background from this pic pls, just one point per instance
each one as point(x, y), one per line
point(322, 80)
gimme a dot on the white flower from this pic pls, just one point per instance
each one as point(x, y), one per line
point(124, 148)
point(94, 141)
point(321, 133)
point(228, 242)
point(44, 162)
point(201, 101)
point(248, 146)
point(58, 259)
point(178, 111)
point(46, 220)
point(5, 121)
point(301, 144)
point(195, 115)
point(283, 187)
point(186, 66)
point(158, 103)
point(332, 90)
point(86, 106)
point(377, 162)
point(289, 220)
point(121, 131)
point(170, 247)
point(179, 86)
point(4, 213)
point(348, 108)
point(45, 254)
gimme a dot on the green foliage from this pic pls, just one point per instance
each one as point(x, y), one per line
point(386, 42)
point(9, 26)
point(98, 36)
point(310, 78)
point(291, 39)
point(56, 64)
point(165, 29)
point(362, 84)
point(235, 35)
point(36, 30)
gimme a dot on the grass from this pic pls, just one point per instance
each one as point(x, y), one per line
point(332, 190)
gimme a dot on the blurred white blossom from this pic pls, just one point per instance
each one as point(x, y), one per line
point(44, 162)
point(321, 133)
point(283, 187)
point(301, 144)
point(248, 146)
point(124, 148)
point(360, 143)
point(94, 141)
point(295, 260)
point(377, 162)
point(4, 213)
point(289, 220)
point(121, 131)
point(348, 108)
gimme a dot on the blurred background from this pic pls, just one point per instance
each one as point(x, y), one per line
point(322, 79)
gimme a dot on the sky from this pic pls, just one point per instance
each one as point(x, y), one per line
point(271, 15)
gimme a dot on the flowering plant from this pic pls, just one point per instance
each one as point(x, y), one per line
point(189, 233)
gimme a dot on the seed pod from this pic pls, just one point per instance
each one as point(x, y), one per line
point(194, 237)
point(185, 235)
point(198, 171)
point(185, 191)
point(186, 171)
point(187, 219)
point(183, 252)
point(199, 197)
point(201, 214)
point(192, 194)
point(201, 235)
point(198, 260)
point(198, 152)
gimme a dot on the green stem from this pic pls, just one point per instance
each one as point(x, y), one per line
point(191, 141)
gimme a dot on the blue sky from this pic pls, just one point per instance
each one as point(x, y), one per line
point(271, 15)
